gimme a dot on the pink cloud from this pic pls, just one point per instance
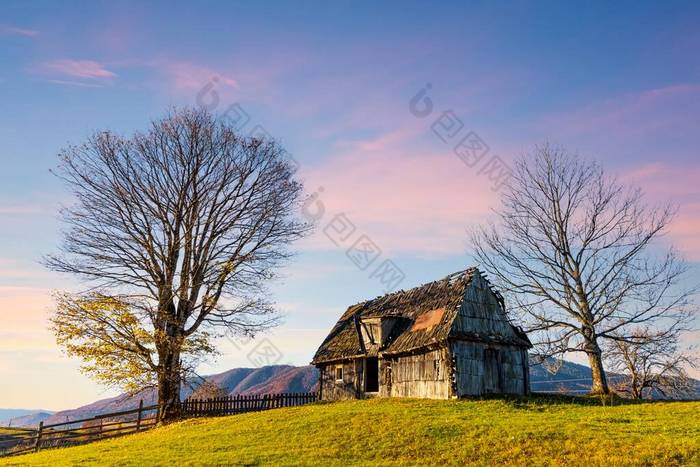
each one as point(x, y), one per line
point(27, 307)
point(188, 76)
point(75, 83)
point(86, 69)
point(408, 198)
point(188, 79)
point(20, 209)
point(677, 184)
point(8, 30)
point(632, 115)
point(381, 143)
point(403, 198)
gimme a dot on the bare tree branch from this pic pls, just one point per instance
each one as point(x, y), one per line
point(187, 219)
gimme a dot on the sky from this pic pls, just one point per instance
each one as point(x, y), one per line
point(368, 99)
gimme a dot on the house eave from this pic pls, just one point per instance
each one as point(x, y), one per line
point(500, 340)
point(327, 361)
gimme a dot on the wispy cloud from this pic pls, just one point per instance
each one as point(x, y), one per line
point(407, 199)
point(638, 114)
point(85, 69)
point(75, 83)
point(663, 182)
point(187, 76)
point(20, 209)
point(9, 30)
point(182, 78)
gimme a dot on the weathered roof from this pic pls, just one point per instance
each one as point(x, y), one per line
point(424, 317)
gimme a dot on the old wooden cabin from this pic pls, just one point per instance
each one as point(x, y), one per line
point(448, 338)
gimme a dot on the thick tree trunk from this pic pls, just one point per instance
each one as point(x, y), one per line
point(169, 386)
point(599, 384)
point(600, 381)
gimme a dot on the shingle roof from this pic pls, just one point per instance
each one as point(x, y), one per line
point(425, 315)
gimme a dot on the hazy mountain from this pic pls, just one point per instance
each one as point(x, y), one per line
point(572, 378)
point(22, 417)
point(267, 379)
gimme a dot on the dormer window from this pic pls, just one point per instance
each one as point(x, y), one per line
point(376, 330)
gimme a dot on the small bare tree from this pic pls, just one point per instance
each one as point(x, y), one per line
point(572, 248)
point(177, 230)
point(653, 364)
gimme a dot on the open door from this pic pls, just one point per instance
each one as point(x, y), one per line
point(372, 374)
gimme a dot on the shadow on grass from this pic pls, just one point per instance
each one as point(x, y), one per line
point(527, 402)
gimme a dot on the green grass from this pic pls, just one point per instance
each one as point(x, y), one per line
point(538, 431)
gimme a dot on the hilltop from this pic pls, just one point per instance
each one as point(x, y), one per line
point(539, 431)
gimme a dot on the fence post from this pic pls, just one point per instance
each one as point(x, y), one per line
point(138, 420)
point(37, 446)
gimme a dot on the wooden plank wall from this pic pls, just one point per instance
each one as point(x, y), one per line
point(472, 378)
point(422, 375)
point(481, 313)
point(332, 390)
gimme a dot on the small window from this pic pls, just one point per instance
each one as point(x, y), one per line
point(339, 373)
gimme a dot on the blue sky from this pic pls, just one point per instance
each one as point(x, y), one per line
point(332, 80)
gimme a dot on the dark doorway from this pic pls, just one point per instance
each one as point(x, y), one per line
point(371, 374)
point(492, 371)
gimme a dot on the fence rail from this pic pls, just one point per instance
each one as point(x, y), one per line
point(124, 422)
point(231, 405)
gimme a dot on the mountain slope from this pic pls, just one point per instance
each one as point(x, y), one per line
point(22, 417)
point(274, 378)
point(570, 378)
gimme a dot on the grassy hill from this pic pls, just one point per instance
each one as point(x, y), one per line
point(408, 431)
point(571, 378)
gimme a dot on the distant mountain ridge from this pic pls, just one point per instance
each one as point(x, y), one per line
point(267, 379)
point(22, 417)
point(570, 378)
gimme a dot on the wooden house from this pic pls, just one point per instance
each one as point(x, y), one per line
point(448, 338)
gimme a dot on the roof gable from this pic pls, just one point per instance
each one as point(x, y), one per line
point(408, 307)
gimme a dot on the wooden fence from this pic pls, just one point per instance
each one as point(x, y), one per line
point(13, 439)
point(85, 430)
point(231, 405)
point(114, 424)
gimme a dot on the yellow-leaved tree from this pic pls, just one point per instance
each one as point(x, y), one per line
point(176, 230)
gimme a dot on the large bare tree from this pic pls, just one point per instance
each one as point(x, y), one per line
point(176, 231)
point(577, 253)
